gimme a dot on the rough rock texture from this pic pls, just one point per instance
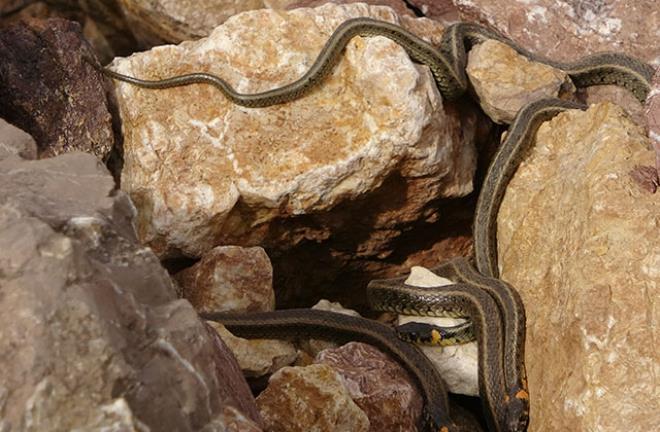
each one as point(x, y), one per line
point(439, 10)
point(652, 113)
point(174, 21)
point(14, 142)
point(591, 292)
point(568, 29)
point(399, 6)
point(204, 172)
point(311, 398)
point(93, 336)
point(378, 385)
point(47, 89)
point(257, 357)
point(458, 364)
point(230, 278)
point(505, 81)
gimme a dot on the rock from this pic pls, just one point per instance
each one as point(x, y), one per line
point(257, 357)
point(15, 142)
point(458, 364)
point(284, 168)
point(505, 81)
point(47, 90)
point(378, 385)
point(439, 10)
point(173, 21)
point(314, 346)
point(103, 28)
point(566, 31)
point(230, 278)
point(311, 398)
point(108, 343)
point(652, 114)
point(399, 6)
point(598, 271)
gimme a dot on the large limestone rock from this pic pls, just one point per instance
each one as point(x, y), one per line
point(204, 172)
point(92, 336)
point(580, 241)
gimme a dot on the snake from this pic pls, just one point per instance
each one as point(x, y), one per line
point(494, 306)
point(498, 316)
point(340, 328)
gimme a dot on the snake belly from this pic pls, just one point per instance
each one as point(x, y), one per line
point(340, 328)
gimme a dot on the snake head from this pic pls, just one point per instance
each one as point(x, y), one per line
point(517, 411)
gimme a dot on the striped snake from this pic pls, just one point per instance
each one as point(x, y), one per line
point(493, 306)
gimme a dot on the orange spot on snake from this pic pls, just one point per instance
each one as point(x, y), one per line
point(522, 394)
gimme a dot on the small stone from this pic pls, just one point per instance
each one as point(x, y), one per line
point(257, 357)
point(311, 398)
point(505, 81)
point(378, 385)
point(230, 278)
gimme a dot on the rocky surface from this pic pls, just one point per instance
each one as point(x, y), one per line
point(591, 291)
point(398, 6)
point(458, 364)
point(378, 385)
point(230, 278)
point(284, 168)
point(93, 334)
point(47, 90)
point(15, 142)
point(505, 81)
point(311, 398)
point(568, 29)
point(440, 10)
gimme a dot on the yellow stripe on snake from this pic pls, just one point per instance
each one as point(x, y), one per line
point(494, 307)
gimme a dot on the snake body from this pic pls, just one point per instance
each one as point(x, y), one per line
point(310, 323)
point(494, 307)
point(498, 315)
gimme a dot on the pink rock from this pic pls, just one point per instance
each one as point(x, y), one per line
point(230, 278)
point(379, 385)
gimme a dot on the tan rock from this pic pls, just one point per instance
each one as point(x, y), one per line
point(580, 242)
point(652, 115)
point(439, 10)
point(204, 172)
point(505, 81)
point(230, 278)
point(378, 385)
point(307, 399)
point(457, 364)
point(257, 357)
